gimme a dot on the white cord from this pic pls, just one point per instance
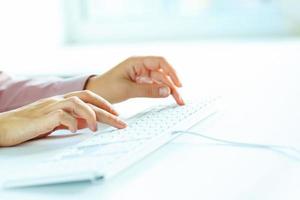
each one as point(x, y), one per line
point(288, 151)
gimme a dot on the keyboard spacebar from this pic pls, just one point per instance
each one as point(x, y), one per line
point(85, 169)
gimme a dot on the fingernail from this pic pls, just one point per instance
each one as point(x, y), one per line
point(95, 128)
point(182, 102)
point(164, 91)
point(115, 112)
point(122, 123)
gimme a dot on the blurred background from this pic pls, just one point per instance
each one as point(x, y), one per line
point(246, 51)
point(70, 37)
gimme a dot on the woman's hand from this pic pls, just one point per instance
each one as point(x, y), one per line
point(137, 77)
point(72, 111)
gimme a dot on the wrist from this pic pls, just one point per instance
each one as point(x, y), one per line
point(96, 84)
point(4, 130)
point(89, 82)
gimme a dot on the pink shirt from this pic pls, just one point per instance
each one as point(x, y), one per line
point(15, 93)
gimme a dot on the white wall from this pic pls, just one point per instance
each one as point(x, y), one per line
point(31, 42)
point(31, 38)
point(28, 30)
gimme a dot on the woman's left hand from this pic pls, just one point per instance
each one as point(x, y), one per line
point(148, 76)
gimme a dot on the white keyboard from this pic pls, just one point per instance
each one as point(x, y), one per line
point(112, 150)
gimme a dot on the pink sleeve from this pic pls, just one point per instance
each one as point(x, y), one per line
point(16, 93)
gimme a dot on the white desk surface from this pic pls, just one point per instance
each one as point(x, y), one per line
point(260, 88)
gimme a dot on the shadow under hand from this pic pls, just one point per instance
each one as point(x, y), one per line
point(56, 141)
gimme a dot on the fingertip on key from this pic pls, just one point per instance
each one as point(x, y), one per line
point(122, 124)
point(181, 101)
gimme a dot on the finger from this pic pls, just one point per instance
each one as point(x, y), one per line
point(55, 120)
point(177, 97)
point(41, 126)
point(161, 78)
point(144, 79)
point(81, 124)
point(92, 98)
point(108, 118)
point(149, 90)
point(140, 70)
point(79, 109)
point(63, 118)
point(154, 63)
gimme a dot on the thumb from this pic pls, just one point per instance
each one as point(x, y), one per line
point(150, 90)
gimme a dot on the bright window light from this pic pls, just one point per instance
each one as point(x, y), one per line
point(90, 21)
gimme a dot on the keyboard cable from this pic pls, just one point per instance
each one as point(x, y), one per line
point(288, 151)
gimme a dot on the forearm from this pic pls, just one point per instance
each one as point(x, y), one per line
point(16, 93)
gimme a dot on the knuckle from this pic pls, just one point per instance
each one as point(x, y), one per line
point(132, 58)
point(105, 116)
point(69, 94)
point(161, 58)
point(50, 100)
point(110, 116)
point(87, 93)
point(74, 100)
point(103, 101)
point(100, 115)
point(53, 99)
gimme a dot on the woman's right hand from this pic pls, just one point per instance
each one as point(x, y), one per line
point(72, 111)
